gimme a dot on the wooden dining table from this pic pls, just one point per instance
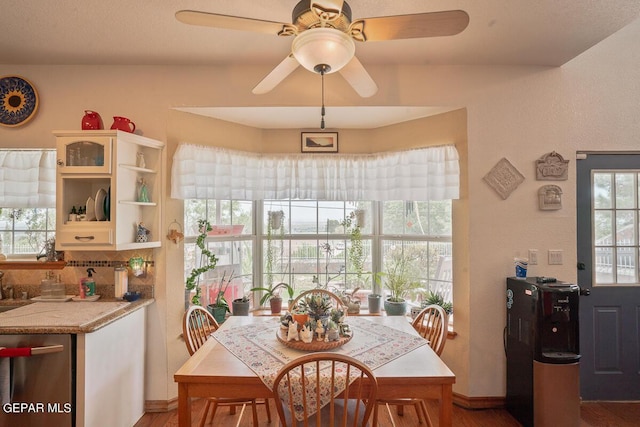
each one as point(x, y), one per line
point(215, 371)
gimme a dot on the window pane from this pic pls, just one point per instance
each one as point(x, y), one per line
point(604, 265)
point(276, 206)
point(602, 190)
point(625, 228)
point(603, 228)
point(28, 242)
point(627, 265)
point(393, 218)
point(429, 266)
point(625, 191)
point(194, 210)
point(330, 217)
point(25, 231)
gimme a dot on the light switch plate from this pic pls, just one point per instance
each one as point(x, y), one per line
point(533, 257)
point(555, 256)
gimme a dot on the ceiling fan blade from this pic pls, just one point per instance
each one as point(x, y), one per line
point(278, 74)
point(358, 78)
point(432, 24)
point(206, 19)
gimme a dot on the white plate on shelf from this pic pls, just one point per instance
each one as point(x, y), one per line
point(91, 209)
point(101, 195)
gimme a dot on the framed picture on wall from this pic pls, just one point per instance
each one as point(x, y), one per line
point(320, 142)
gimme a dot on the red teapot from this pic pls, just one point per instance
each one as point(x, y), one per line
point(124, 124)
point(91, 120)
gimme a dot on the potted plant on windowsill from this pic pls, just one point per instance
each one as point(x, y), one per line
point(220, 307)
point(434, 297)
point(374, 301)
point(208, 262)
point(272, 293)
point(240, 306)
point(398, 279)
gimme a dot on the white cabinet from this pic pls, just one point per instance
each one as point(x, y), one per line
point(102, 171)
point(110, 369)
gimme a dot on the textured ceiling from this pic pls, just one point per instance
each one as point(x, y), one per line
point(500, 32)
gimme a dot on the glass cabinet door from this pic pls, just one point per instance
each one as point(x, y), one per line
point(84, 155)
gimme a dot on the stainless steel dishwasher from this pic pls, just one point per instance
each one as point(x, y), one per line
point(42, 385)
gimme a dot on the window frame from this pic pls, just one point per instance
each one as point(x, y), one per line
point(375, 237)
point(49, 233)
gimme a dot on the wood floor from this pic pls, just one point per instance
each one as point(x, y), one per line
point(593, 414)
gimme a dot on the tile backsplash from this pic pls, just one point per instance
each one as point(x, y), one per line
point(103, 263)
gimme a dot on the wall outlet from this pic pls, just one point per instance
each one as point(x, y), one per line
point(555, 256)
point(533, 257)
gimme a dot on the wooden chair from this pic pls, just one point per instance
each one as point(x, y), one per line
point(354, 407)
point(432, 325)
point(338, 304)
point(197, 326)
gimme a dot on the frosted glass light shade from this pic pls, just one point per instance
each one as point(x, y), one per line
point(323, 46)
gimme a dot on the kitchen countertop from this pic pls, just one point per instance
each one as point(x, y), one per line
point(70, 317)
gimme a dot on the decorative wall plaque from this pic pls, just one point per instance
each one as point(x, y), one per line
point(504, 178)
point(550, 198)
point(552, 167)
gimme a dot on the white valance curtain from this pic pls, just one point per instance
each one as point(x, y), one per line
point(215, 173)
point(27, 179)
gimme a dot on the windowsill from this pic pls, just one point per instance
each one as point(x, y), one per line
point(32, 265)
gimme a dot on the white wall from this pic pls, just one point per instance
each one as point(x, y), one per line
point(519, 113)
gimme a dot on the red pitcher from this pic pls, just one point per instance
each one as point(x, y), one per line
point(122, 123)
point(91, 120)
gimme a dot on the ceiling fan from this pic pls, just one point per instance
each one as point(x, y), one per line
point(324, 35)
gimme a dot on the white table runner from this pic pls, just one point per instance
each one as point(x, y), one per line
point(256, 345)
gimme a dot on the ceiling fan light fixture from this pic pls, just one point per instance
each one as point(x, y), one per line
point(323, 46)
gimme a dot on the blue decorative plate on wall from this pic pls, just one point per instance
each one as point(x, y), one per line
point(18, 101)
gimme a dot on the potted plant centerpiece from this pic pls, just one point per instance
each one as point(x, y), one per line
point(398, 278)
point(208, 262)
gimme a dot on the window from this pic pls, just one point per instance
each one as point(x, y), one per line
point(313, 246)
point(25, 231)
point(615, 227)
point(27, 201)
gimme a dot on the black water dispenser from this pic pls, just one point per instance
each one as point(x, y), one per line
point(543, 352)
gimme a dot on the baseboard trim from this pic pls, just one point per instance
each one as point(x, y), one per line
point(160, 405)
point(486, 402)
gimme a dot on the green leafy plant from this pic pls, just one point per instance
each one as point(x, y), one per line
point(208, 261)
point(399, 276)
point(273, 291)
point(356, 249)
point(437, 298)
point(315, 305)
point(221, 301)
point(275, 221)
